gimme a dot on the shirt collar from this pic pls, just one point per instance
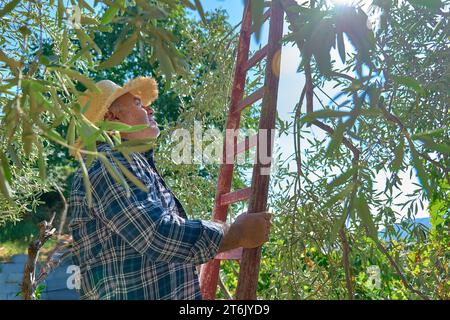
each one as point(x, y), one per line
point(149, 156)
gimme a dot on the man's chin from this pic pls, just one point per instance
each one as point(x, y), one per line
point(157, 133)
point(154, 132)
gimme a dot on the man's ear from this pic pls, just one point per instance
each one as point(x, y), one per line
point(110, 116)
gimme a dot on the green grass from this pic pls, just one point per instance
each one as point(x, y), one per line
point(15, 237)
point(13, 247)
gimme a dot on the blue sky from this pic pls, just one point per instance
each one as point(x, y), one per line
point(291, 84)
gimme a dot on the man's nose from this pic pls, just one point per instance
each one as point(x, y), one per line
point(150, 110)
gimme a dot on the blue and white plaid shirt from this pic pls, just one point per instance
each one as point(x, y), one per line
point(137, 247)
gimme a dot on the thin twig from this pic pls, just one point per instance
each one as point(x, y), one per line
point(46, 231)
point(64, 211)
point(393, 118)
point(224, 289)
point(346, 263)
point(345, 141)
point(399, 271)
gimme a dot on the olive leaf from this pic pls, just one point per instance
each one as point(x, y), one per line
point(116, 174)
point(130, 175)
point(88, 83)
point(364, 214)
point(121, 53)
point(341, 179)
point(9, 7)
point(399, 152)
point(86, 182)
point(421, 173)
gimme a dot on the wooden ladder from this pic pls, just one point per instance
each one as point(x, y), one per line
point(258, 192)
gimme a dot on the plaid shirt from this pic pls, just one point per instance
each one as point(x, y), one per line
point(141, 246)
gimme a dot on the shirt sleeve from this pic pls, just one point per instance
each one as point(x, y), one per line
point(140, 219)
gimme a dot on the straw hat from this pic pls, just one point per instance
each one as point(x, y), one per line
point(144, 88)
point(98, 103)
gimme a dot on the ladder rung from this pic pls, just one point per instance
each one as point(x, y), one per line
point(257, 57)
point(235, 196)
point(267, 14)
point(248, 143)
point(234, 254)
point(251, 99)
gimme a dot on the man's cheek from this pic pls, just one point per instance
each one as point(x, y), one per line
point(138, 118)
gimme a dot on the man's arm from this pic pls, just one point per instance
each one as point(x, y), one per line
point(142, 222)
point(230, 237)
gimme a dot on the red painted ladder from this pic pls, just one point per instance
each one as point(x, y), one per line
point(258, 192)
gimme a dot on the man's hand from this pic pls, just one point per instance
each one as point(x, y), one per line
point(249, 230)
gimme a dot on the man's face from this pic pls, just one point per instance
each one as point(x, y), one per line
point(128, 109)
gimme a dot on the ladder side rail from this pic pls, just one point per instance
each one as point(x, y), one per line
point(250, 262)
point(209, 274)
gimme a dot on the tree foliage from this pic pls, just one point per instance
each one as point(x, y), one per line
point(48, 53)
point(390, 119)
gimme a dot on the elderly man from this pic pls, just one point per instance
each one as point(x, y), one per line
point(142, 245)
